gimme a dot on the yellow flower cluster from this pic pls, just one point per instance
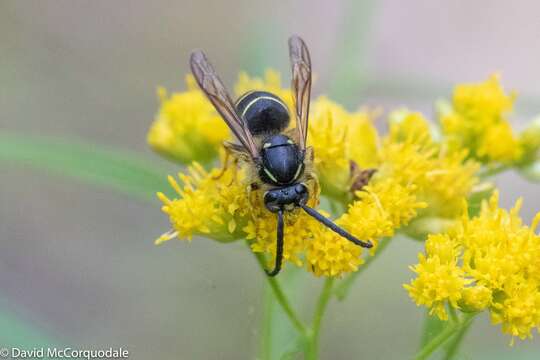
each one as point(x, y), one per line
point(477, 120)
point(187, 128)
point(413, 172)
point(217, 205)
point(221, 207)
point(488, 262)
point(443, 179)
point(210, 204)
point(424, 182)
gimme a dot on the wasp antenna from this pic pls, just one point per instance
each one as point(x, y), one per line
point(279, 245)
point(335, 228)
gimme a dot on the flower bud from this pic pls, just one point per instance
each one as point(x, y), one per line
point(475, 298)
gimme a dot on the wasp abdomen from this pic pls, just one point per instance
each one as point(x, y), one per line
point(264, 112)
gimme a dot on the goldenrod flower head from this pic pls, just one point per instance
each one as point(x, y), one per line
point(382, 207)
point(477, 120)
point(486, 262)
point(443, 179)
point(437, 283)
point(209, 203)
point(338, 138)
point(186, 127)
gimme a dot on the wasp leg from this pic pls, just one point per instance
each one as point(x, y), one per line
point(279, 245)
point(235, 171)
point(252, 187)
point(225, 164)
point(313, 184)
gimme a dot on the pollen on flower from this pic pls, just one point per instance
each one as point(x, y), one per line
point(494, 257)
point(477, 120)
point(186, 127)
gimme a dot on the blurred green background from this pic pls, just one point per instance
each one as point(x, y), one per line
point(77, 262)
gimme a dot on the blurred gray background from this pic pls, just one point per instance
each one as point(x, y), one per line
point(77, 263)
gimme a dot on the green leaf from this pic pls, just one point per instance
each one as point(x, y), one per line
point(15, 332)
point(432, 327)
point(20, 332)
point(482, 192)
point(95, 164)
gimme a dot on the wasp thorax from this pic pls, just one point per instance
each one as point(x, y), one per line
point(264, 112)
point(282, 162)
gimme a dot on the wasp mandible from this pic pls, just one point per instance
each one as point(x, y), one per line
point(258, 119)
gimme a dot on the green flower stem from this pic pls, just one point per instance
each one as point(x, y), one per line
point(266, 330)
point(453, 314)
point(453, 346)
point(489, 172)
point(450, 330)
point(342, 290)
point(313, 336)
point(282, 299)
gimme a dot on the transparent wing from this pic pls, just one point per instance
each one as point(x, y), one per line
point(301, 85)
point(216, 92)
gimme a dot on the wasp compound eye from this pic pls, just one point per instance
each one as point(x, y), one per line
point(270, 196)
point(271, 201)
point(302, 194)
